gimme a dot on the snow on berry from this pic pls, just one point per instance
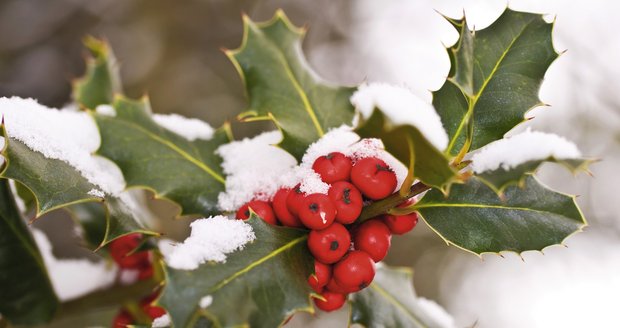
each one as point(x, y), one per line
point(188, 128)
point(211, 239)
point(162, 322)
point(402, 107)
point(526, 146)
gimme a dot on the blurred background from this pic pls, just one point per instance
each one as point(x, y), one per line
point(171, 50)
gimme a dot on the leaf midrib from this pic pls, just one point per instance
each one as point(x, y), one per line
point(260, 261)
point(474, 99)
point(397, 304)
point(422, 206)
point(172, 146)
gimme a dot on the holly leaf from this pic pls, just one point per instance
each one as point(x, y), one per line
point(154, 158)
point(390, 301)
point(282, 87)
point(101, 80)
point(474, 218)
point(260, 286)
point(27, 293)
point(408, 145)
point(494, 78)
point(499, 179)
point(56, 184)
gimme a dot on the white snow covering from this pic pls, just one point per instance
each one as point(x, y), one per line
point(106, 110)
point(205, 301)
point(1, 143)
point(162, 322)
point(526, 146)
point(96, 193)
point(128, 276)
point(210, 240)
point(66, 135)
point(256, 169)
point(189, 128)
point(402, 107)
point(435, 313)
point(74, 278)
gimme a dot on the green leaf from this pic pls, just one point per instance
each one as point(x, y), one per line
point(102, 80)
point(390, 301)
point(430, 165)
point(260, 286)
point(501, 178)
point(494, 79)
point(152, 157)
point(56, 184)
point(92, 218)
point(27, 293)
point(283, 88)
point(474, 218)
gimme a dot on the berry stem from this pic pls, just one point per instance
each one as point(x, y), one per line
point(388, 203)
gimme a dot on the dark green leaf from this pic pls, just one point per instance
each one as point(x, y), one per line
point(283, 88)
point(390, 301)
point(27, 293)
point(474, 218)
point(101, 81)
point(430, 165)
point(494, 79)
point(500, 178)
point(152, 157)
point(56, 184)
point(259, 286)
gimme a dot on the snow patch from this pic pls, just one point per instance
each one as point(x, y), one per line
point(65, 135)
point(96, 193)
point(74, 278)
point(401, 107)
point(205, 301)
point(106, 110)
point(526, 146)
point(162, 322)
point(210, 240)
point(128, 276)
point(189, 128)
point(435, 313)
point(255, 169)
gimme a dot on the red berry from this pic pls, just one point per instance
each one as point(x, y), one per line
point(122, 320)
point(317, 211)
point(146, 270)
point(261, 208)
point(348, 201)
point(122, 251)
point(333, 167)
point(329, 245)
point(373, 237)
point(321, 276)
point(373, 178)
point(294, 200)
point(282, 213)
point(333, 286)
point(355, 271)
point(333, 301)
point(154, 311)
point(401, 224)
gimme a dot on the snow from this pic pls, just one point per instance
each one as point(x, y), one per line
point(189, 128)
point(205, 301)
point(74, 278)
point(210, 240)
point(435, 313)
point(128, 276)
point(96, 193)
point(526, 146)
point(162, 322)
point(255, 169)
point(402, 107)
point(106, 110)
point(66, 135)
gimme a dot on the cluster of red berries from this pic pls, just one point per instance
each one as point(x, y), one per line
point(345, 251)
point(123, 251)
point(124, 318)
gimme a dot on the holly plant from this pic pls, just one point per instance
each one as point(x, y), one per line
point(311, 249)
